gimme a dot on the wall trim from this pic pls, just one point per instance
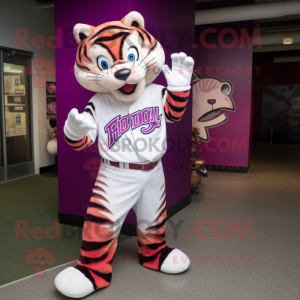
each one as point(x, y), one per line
point(47, 169)
point(127, 229)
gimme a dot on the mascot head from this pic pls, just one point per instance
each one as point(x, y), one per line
point(119, 57)
point(210, 96)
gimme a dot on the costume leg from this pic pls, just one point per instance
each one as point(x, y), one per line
point(151, 222)
point(114, 194)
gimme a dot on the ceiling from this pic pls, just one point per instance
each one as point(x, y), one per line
point(289, 25)
point(286, 24)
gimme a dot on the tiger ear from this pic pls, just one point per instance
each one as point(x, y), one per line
point(82, 31)
point(196, 77)
point(134, 19)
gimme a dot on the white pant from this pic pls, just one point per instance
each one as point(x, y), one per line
point(116, 191)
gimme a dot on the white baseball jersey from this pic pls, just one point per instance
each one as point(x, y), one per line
point(132, 132)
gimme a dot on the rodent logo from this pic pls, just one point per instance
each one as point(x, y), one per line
point(40, 68)
point(39, 258)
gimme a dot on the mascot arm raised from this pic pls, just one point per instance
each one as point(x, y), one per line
point(179, 85)
point(80, 130)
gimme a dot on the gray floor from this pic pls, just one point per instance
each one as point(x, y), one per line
point(268, 196)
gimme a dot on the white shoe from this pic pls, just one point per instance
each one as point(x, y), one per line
point(176, 262)
point(72, 283)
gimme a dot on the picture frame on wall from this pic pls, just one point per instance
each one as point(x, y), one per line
point(50, 88)
point(51, 106)
point(51, 98)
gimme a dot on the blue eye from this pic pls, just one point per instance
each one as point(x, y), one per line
point(103, 63)
point(131, 57)
point(132, 54)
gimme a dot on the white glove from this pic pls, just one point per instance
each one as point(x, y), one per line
point(179, 79)
point(77, 126)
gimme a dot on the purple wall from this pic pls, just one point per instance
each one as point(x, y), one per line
point(229, 142)
point(165, 20)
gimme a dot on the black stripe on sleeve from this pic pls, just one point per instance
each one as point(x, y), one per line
point(91, 104)
point(163, 91)
point(73, 142)
point(176, 108)
point(171, 118)
point(177, 98)
point(90, 112)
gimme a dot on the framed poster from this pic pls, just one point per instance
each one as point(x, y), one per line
point(50, 88)
point(51, 98)
point(51, 106)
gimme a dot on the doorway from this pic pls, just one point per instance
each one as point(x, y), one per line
point(16, 138)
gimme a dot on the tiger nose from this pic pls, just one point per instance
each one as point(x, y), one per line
point(211, 101)
point(122, 74)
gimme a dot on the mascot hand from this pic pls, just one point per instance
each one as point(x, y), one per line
point(179, 78)
point(77, 126)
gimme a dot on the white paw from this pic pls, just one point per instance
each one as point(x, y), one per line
point(76, 125)
point(175, 262)
point(179, 78)
point(72, 283)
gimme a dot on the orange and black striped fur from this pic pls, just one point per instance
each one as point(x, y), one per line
point(152, 247)
point(101, 229)
point(110, 45)
point(99, 242)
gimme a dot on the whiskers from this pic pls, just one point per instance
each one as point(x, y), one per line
point(99, 77)
point(147, 66)
point(95, 77)
point(143, 59)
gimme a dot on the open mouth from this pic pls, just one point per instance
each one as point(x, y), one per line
point(128, 89)
point(212, 114)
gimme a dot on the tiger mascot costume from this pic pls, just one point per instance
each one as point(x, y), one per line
point(119, 61)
